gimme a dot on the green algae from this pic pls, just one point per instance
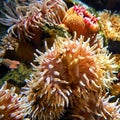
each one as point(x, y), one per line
point(17, 76)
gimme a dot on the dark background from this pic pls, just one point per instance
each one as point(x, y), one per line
point(113, 5)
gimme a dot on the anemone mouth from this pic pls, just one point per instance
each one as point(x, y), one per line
point(87, 16)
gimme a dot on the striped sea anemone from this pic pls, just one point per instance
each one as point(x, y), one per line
point(110, 25)
point(68, 68)
point(10, 107)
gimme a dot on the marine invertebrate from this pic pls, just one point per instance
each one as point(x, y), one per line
point(10, 13)
point(70, 75)
point(69, 67)
point(36, 15)
point(78, 19)
point(111, 25)
point(28, 29)
point(108, 67)
point(9, 105)
point(93, 106)
point(24, 9)
point(115, 88)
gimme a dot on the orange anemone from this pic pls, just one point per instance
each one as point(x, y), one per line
point(78, 19)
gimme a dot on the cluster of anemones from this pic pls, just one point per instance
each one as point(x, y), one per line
point(31, 18)
point(110, 25)
point(69, 79)
point(66, 74)
point(10, 105)
point(39, 14)
point(34, 17)
point(27, 28)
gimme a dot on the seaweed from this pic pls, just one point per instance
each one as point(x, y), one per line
point(17, 76)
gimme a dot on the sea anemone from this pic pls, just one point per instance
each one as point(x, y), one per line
point(110, 25)
point(46, 98)
point(10, 107)
point(68, 68)
point(93, 106)
point(12, 16)
point(78, 19)
point(27, 30)
point(107, 66)
point(36, 14)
